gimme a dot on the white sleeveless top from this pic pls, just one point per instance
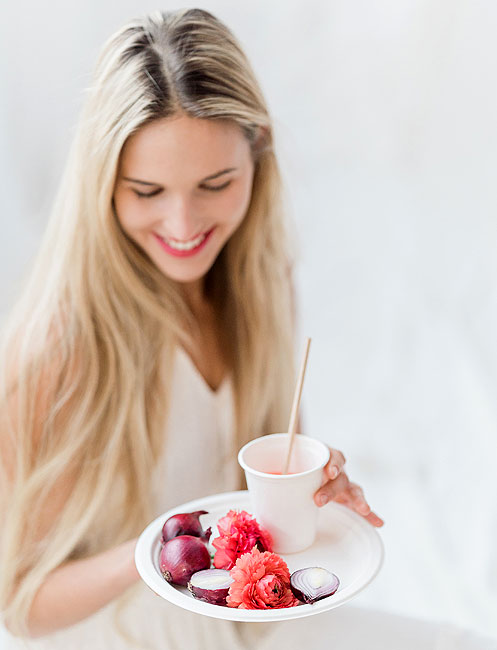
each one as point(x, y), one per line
point(197, 462)
point(198, 459)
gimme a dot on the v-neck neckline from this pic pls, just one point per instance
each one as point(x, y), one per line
point(207, 387)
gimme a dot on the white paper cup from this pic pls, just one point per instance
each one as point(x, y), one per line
point(284, 504)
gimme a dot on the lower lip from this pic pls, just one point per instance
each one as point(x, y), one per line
point(176, 253)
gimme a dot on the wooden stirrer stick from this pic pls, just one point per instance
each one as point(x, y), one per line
point(292, 426)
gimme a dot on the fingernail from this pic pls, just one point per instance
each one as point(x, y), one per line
point(334, 471)
point(323, 499)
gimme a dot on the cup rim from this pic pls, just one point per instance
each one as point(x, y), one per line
point(281, 477)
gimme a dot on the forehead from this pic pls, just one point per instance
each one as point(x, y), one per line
point(184, 145)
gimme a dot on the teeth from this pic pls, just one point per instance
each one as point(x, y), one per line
point(184, 246)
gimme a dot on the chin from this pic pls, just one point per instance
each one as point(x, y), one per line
point(185, 276)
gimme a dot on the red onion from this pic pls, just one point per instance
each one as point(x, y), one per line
point(313, 583)
point(183, 556)
point(186, 523)
point(211, 585)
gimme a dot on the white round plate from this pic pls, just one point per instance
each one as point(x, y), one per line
point(345, 545)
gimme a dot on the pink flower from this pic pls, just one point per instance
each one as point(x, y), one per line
point(239, 533)
point(261, 581)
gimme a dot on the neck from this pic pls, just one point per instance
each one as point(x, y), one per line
point(194, 295)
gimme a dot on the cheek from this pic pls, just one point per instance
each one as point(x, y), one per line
point(130, 215)
point(238, 202)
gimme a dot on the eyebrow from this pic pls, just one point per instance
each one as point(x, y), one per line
point(207, 178)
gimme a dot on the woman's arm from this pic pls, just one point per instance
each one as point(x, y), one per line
point(80, 588)
point(77, 588)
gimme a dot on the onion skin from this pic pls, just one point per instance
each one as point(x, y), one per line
point(313, 583)
point(213, 596)
point(181, 557)
point(185, 523)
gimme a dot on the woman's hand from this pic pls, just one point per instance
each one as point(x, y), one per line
point(338, 488)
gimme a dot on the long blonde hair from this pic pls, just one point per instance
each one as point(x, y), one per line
point(95, 328)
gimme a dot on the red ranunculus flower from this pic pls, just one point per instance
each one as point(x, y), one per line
point(260, 581)
point(239, 533)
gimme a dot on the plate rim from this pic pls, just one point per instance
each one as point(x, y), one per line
point(151, 578)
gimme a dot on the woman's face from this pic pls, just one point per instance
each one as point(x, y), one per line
point(183, 188)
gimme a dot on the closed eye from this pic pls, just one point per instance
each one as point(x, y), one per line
point(216, 188)
point(147, 194)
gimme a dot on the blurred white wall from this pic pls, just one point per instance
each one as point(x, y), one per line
point(386, 120)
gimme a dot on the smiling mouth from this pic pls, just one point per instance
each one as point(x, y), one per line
point(186, 245)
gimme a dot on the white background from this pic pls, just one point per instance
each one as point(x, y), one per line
point(386, 123)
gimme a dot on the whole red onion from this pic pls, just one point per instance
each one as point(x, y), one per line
point(183, 556)
point(185, 523)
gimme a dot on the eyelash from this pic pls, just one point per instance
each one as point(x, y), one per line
point(218, 188)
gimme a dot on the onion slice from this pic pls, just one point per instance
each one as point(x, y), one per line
point(211, 585)
point(313, 583)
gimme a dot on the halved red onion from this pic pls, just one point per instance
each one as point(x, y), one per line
point(313, 583)
point(211, 585)
point(183, 556)
point(185, 523)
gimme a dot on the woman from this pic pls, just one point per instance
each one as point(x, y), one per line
point(157, 321)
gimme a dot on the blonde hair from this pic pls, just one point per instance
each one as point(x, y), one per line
point(93, 334)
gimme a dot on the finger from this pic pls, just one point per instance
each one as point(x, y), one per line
point(374, 520)
point(335, 464)
point(358, 501)
point(353, 498)
point(331, 489)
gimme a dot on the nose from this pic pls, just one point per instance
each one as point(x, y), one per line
point(178, 220)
